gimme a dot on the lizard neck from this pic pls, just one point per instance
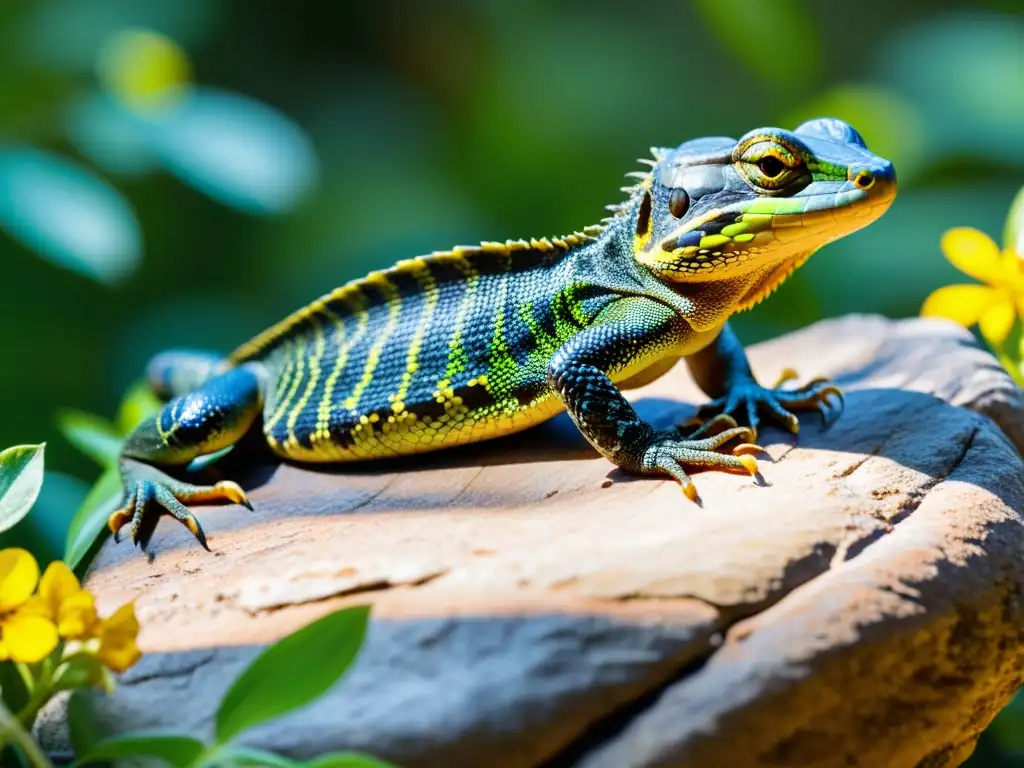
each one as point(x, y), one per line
point(710, 303)
point(609, 261)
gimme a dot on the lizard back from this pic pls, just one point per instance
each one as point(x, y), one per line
point(438, 350)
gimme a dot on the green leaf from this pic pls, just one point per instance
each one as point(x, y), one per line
point(21, 477)
point(93, 435)
point(346, 760)
point(84, 671)
point(174, 749)
point(109, 135)
point(246, 756)
point(139, 403)
point(239, 151)
point(1012, 353)
point(66, 214)
point(293, 672)
point(82, 726)
point(250, 756)
point(44, 528)
point(91, 518)
point(1013, 231)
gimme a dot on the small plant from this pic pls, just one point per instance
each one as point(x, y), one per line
point(996, 305)
point(286, 676)
point(53, 640)
point(50, 632)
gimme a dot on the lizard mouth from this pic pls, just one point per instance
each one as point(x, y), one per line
point(753, 233)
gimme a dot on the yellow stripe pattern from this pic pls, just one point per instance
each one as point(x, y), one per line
point(314, 358)
point(387, 288)
point(322, 435)
point(312, 421)
point(428, 287)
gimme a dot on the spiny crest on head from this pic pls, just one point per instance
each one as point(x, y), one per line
point(634, 191)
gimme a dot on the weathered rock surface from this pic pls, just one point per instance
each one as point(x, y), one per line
point(534, 606)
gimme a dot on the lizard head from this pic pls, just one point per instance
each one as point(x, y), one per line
point(719, 208)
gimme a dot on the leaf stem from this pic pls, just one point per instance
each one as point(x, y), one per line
point(1009, 364)
point(26, 676)
point(12, 732)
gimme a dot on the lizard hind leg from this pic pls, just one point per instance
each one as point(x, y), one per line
point(177, 372)
point(214, 416)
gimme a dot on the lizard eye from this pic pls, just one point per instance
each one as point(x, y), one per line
point(678, 202)
point(771, 166)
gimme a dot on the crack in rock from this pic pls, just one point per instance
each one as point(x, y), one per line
point(276, 595)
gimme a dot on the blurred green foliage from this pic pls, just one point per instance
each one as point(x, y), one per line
point(317, 142)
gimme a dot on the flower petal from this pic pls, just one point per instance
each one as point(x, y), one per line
point(77, 616)
point(57, 585)
point(36, 606)
point(974, 253)
point(122, 623)
point(963, 304)
point(121, 656)
point(29, 638)
point(1013, 271)
point(117, 639)
point(19, 574)
point(997, 322)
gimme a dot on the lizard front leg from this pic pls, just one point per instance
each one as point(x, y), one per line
point(631, 330)
point(722, 371)
point(214, 416)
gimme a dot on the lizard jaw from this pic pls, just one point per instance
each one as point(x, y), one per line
point(770, 230)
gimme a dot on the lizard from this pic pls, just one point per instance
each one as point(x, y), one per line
point(482, 341)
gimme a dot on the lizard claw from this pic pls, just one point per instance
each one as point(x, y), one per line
point(697, 428)
point(149, 488)
point(753, 401)
point(669, 454)
point(787, 374)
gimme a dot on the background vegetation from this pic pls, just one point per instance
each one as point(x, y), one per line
point(320, 140)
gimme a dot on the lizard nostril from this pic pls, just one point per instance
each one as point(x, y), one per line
point(864, 179)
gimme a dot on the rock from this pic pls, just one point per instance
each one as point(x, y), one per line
point(865, 607)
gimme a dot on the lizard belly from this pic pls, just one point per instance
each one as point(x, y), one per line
point(647, 367)
point(455, 416)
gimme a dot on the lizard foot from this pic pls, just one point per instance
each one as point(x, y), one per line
point(146, 487)
point(669, 453)
point(749, 399)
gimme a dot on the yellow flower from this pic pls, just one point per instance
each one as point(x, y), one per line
point(32, 625)
point(994, 306)
point(62, 600)
point(117, 639)
point(24, 634)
